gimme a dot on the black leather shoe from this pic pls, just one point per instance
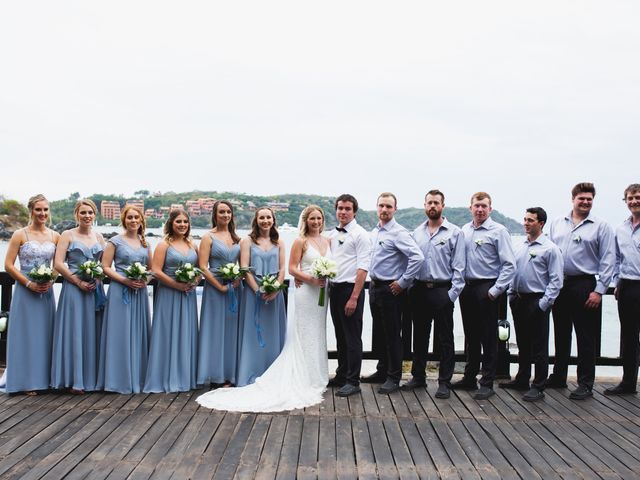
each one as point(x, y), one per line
point(555, 382)
point(620, 389)
point(443, 391)
point(377, 377)
point(533, 395)
point(347, 389)
point(484, 393)
point(465, 384)
point(388, 387)
point(336, 383)
point(413, 383)
point(581, 393)
point(515, 385)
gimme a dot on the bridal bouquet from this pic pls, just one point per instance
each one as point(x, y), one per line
point(323, 268)
point(270, 284)
point(230, 272)
point(137, 271)
point(187, 273)
point(42, 274)
point(91, 270)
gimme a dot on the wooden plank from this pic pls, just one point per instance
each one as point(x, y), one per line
point(369, 400)
point(288, 464)
point(484, 443)
point(481, 464)
point(345, 453)
point(209, 460)
point(356, 405)
point(365, 460)
point(268, 466)
point(231, 458)
point(308, 457)
point(327, 460)
point(24, 413)
point(455, 452)
point(250, 456)
point(399, 449)
point(446, 469)
point(420, 457)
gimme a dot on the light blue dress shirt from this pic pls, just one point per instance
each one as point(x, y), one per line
point(489, 254)
point(539, 270)
point(444, 255)
point(627, 252)
point(587, 248)
point(394, 254)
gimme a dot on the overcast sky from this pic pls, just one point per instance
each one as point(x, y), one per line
point(521, 99)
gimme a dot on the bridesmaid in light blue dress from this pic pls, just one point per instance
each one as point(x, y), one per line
point(126, 327)
point(174, 333)
point(78, 322)
point(263, 318)
point(33, 305)
point(218, 340)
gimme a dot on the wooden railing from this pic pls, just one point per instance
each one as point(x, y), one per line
point(505, 358)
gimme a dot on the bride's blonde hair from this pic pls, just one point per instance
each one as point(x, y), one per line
point(304, 229)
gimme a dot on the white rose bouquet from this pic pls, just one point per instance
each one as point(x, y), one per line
point(323, 268)
point(270, 284)
point(137, 271)
point(91, 270)
point(42, 274)
point(187, 273)
point(230, 272)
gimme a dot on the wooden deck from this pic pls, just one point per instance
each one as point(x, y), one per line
point(405, 435)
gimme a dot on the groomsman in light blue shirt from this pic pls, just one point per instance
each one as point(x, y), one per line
point(434, 292)
point(588, 251)
point(489, 271)
point(535, 287)
point(627, 281)
point(395, 261)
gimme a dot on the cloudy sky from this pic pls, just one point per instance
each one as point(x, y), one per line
point(521, 99)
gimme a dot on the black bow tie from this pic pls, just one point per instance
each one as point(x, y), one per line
point(340, 229)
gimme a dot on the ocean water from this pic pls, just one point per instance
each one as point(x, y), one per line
point(610, 322)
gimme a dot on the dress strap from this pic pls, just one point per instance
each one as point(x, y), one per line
point(25, 229)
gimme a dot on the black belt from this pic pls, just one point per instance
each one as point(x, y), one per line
point(341, 284)
point(583, 276)
point(529, 294)
point(427, 284)
point(628, 280)
point(478, 281)
point(375, 281)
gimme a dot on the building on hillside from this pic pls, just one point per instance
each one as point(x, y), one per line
point(193, 208)
point(136, 203)
point(251, 206)
point(110, 210)
point(278, 206)
point(150, 213)
point(176, 206)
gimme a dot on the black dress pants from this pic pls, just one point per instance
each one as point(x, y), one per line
point(480, 322)
point(348, 333)
point(427, 305)
point(532, 334)
point(569, 311)
point(629, 312)
point(386, 310)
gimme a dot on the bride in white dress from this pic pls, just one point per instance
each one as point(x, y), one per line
point(298, 376)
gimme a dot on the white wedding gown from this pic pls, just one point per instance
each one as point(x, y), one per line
point(298, 376)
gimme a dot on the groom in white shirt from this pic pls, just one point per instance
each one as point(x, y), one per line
point(350, 248)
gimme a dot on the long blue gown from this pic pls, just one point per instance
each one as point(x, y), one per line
point(124, 342)
point(77, 325)
point(262, 325)
point(30, 326)
point(174, 333)
point(218, 340)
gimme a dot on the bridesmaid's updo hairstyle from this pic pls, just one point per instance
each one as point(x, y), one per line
point(304, 229)
point(232, 223)
point(255, 229)
point(169, 233)
point(143, 222)
point(32, 204)
point(84, 201)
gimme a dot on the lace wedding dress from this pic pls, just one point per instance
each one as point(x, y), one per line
point(298, 376)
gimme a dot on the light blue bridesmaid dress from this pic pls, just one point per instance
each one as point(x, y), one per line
point(31, 325)
point(77, 326)
point(174, 333)
point(262, 325)
point(218, 341)
point(124, 342)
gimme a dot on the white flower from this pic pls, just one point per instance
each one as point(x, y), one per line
point(236, 269)
point(479, 242)
point(577, 238)
point(188, 265)
point(533, 253)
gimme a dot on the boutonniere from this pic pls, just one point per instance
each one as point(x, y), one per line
point(479, 242)
point(532, 254)
point(577, 238)
point(340, 239)
point(381, 242)
point(442, 241)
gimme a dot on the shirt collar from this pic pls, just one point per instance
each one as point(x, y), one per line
point(488, 224)
point(388, 226)
point(351, 225)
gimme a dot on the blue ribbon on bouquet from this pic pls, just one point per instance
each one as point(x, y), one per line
point(232, 298)
point(100, 297)
point(256, 319)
